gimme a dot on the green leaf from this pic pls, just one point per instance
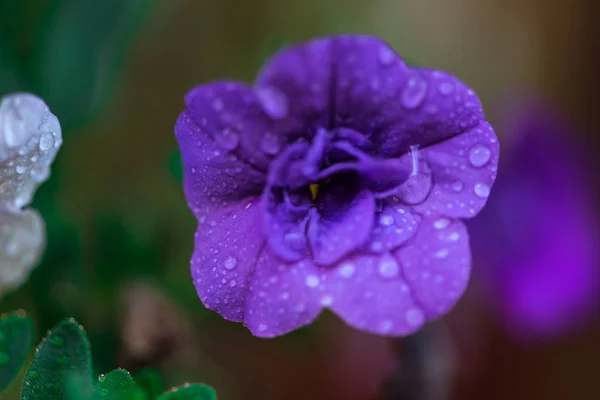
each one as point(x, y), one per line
point(150, 381)
point(62, 357)
point(16, 340)
point(118, 385)
point(78, 57)
point(196, 391)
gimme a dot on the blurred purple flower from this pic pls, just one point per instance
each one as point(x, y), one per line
point(399, 155)
point(536, 241)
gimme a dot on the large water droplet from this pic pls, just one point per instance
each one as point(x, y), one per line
point(274, 102)
point(482, 190)
point(442, 253)
point(479, 155)
point(228, 139)
point(388, 266)
point(230, 262)
point(270, 144)
point(414, 92)
point(326, 300)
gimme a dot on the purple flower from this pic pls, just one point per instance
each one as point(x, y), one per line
point(536, 241)
point(399, 155)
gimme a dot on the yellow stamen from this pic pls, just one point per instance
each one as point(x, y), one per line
point(314, 189)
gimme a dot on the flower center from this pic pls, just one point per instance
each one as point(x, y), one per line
point(322, 197)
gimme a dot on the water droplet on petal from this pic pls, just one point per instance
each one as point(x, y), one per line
point(20, 169)
point(312, 281)
point(415, 317)
point(457, 186)
point(386, 56)
point(262, 327)
point(446, 88)
point(442, 253)
point(441, 223)
point(386, 326)
point(232, 283)
point(453, 237)
point(270, 144)
point(482, 190)
point(274, 102)
point(386, 219)
point(46, 142)
point(347, 270)
point(326, 300)
point(479, 155)
point(217, 104)
point(414, 92)
point(388, 266)
point(228, 139)
point(230, 262)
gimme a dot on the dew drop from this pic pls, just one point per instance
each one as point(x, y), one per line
point(274, 102)
point(479, 155)
point(20, 169)
point(414, 92)
point(230, 262)
point(386, 219)
point(228, 139)
point(262, 327)
point(457, 186)
point(46, 142)
point(482, 190)
point(415, 317)
point(442, 253)
point(347, 270)
point(446, 88)
point(386, 55)
point(232, 283)
point(270, 144)
point(326, 300)
point(453, 237)
point(312, 281)
point(441, 223)
point(386, 326)
point(388, 267)
point(217, 104)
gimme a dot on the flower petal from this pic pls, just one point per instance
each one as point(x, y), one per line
point(369, 293)
point(463, 170)
point(225, 256)
point(231, 114)
point(436, 264)
point(394, 226)
point(342, 221)
point(302, 74)
point(211, 176)
point(281, 297)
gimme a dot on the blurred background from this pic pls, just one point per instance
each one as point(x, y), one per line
point(120, 235)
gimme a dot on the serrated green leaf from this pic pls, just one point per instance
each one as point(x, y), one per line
point(196, 391)
point(16, 341)
point(118, 385)
point(62, 357)
point(78, 58)
point(150, 381)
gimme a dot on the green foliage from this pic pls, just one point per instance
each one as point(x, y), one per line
point(16, 339)
point(62, 368)
point(62, 356)
point(195, 391)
